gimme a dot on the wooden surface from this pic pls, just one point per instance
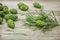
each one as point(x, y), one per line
point(24, 33)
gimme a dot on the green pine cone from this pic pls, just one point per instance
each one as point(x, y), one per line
point(40, 23)
point(13, 11)
point(11, 24)
point(11, 16)
point(36, 5)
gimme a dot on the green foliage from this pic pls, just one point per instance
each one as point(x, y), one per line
point(11, 23)
point(40, 17)
point(1, 7)
point(1, 19)
point(8, 15)
point(36, 5)
point(5, 9)
point(30, 17)
point(2, 14)
point(13, 11)
point(42, 20)
point(40, 23)
point(23, 6)
point(11, 16)
point(20, 4)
